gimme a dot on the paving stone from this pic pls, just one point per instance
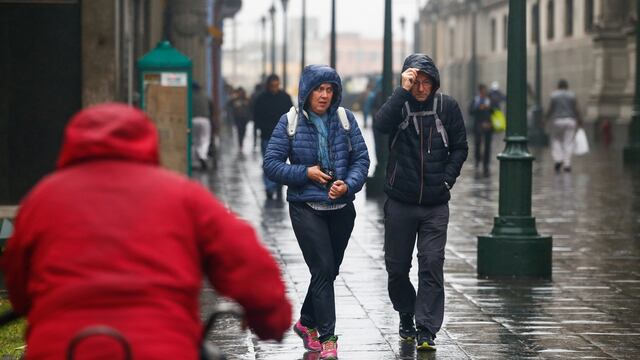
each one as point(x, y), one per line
point(590, 309)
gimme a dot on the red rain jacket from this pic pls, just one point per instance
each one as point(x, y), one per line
point(110, 238)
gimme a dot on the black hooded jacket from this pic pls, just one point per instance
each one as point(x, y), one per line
point(419, 162)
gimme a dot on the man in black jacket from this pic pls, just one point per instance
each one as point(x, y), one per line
point(268, 108)
point(428, 145)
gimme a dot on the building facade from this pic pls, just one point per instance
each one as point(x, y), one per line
point(59, 56)
point(590, 43)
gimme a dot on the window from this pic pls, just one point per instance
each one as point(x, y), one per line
point(568, 18)
point(550, 19)
point(505, 28)
point(535, 23)
point(493, 34)
point(588, 16)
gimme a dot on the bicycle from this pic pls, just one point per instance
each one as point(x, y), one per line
point(208, 351)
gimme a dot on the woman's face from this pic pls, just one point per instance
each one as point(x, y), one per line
point(320, 99)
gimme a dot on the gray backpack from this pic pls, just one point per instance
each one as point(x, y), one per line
point(292, 123)
point(409, 114)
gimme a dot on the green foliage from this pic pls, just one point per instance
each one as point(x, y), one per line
point(11, 335)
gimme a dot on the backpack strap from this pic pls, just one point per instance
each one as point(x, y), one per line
point(439, 126)
point(292, 122)
point(344, 122)
point(434, 111)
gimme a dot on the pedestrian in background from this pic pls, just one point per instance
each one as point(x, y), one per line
point(496, 96)
point(427, 147)
point(269, 107)
point(328, 165)
point(565, 118)
point(201, 125)
point(370, 96)
point(241, 109)
point(481, 109)
point(257, 90)
point(111, 238)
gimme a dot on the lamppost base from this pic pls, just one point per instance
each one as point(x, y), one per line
point(515, 256)
point(514, 249)
point(631, 154)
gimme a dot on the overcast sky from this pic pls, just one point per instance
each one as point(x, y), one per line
point(365, 17)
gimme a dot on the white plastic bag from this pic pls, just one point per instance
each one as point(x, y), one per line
point(580, 142)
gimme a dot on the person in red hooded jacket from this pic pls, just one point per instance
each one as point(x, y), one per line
point(111, 238)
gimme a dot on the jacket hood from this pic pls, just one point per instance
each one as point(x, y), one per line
point(423, 63)
point(315, 75)
point(109, 131)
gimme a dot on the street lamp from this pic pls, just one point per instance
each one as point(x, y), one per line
point(473, 71)
point(234, 44)
point(403, 49)
point(304, 35)
point(631, 152)
point(263, 21)
point(332, 59)
point(375, 184)
point(537, 136)
point(272, 12)
point(433, 19)
point(284, 43)
point(514, 248)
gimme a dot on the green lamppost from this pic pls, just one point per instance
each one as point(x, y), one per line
point(537, 136)
point(514, 248)
point(375, 184)
point(632, 150)
point(332, 52)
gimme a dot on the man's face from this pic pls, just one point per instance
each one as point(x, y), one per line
point(320, 100)
point(274, 86)
point(422, 87)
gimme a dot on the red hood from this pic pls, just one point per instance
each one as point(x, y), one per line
point(109, 131)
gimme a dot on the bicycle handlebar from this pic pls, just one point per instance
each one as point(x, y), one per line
point(210, 351)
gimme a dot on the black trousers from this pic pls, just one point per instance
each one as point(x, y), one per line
point(323, 237)
point(482, 146)
point(402, 222)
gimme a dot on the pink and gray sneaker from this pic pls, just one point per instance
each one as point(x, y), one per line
point(309, 336)
point(330, 349)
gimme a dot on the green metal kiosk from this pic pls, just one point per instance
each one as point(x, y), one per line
point(165, 80)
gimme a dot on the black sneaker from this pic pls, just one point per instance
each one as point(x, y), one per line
point(407, 329)
point(425, 341)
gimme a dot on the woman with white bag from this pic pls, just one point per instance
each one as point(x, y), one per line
point(565, 119)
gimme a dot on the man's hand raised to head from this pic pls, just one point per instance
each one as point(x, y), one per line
point(409, 77)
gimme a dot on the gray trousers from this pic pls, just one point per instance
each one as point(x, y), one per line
point(402, 222)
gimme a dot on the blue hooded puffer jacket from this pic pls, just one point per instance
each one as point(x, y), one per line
point(302, 151)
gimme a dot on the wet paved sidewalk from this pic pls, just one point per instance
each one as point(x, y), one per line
point(591, 309)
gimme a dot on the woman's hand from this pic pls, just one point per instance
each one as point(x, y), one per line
point(315, 174)
point(338, 189)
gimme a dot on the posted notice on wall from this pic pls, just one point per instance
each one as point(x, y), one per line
point(173, 79)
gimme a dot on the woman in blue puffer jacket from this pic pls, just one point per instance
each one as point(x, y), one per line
point(328, 165)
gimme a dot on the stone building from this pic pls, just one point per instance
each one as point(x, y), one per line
point(591, 43)
point(59, 56)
